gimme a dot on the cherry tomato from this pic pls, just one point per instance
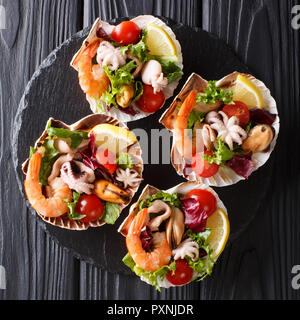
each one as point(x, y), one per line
point(205, 198)
point(90, 206)
point(127, 32)
point(202, 167)
point(239, 110)
point(107, 159)
point(149, 101)
point(183, 273)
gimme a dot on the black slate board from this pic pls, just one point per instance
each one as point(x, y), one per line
point(54, 91)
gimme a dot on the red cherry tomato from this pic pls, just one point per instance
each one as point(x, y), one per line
point(90, 206)
point(127, 32)
point(205, 198)
point(239, 110)
point(183, 273)
point(202, 167)
point(149, 101)
point(107, 159)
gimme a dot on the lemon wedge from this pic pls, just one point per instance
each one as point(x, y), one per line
point(219, 224)
point(159, 42)
point(247, 92)
point(113, 138)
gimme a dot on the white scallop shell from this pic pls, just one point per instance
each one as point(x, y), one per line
point(225, 176)
point(182, 188)
point(142, 21)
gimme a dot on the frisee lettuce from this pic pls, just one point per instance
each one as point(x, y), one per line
point(139, 49)
point(118, 79)
point(171, 70)
point(221, 154)
point(151, 277)
point(213, 94)
point(171, 199)
point(73, 215)
point(202, 266)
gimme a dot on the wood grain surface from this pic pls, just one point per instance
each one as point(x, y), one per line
point(256, 266)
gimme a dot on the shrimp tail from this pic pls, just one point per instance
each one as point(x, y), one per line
point(139, 222)
point(34, 166)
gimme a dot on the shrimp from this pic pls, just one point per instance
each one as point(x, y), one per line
point(49, 207)
point(149, 261)
point(93, 81)
point(183, 142)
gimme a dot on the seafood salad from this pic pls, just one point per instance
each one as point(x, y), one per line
point(83, 175)
point(223, 130)
point(174, 237)
point(128, 71)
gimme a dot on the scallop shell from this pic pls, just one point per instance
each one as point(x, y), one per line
point(85, 124)
point(225, 176)
point(182, 188)
point(142, 22)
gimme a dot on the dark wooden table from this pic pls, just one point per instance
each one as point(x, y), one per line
point(256, 266)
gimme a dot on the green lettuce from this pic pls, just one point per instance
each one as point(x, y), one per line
point(139, 49)
point(213, 94)
point(111, 212)
point(195, 116)
point(171, 199)
point(49, 157)
point(202, 266)
point(118, 79)
point(221, 154)
point(171, 71)
point(152, 277)
point(73, 215)
point(124, 161)
point(75, 136)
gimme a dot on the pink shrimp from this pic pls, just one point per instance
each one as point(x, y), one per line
point(92, 79)
point(48, 207)
point(183, 142)
point(161, 253)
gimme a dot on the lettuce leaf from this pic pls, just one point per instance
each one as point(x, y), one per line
point(73, 215)
point(75, 136)
point(221, 154)
point(171, 199)
point(49, 157)
point(152, 277)
point(118, 79)
point(171, 71)
point(124, 161)
point(111, 212)
point(213, 94)
point(139, 49)
point(195, 116)
point(203, 265)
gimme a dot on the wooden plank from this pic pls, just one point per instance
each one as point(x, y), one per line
point(260, 33)
point(36, 267)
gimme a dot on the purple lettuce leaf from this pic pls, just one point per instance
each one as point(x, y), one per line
point(195, 216)
point(260, 116)
point(147, 239)
point(241, 164)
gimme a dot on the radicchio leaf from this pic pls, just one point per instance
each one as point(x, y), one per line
point(100, 32)
point(147, 239)
point(241, 164)
point(130, 110)
point(262, 116)
point(89, 159)
point(195, 216)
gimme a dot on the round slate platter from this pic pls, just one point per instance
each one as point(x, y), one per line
point(54, 92)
